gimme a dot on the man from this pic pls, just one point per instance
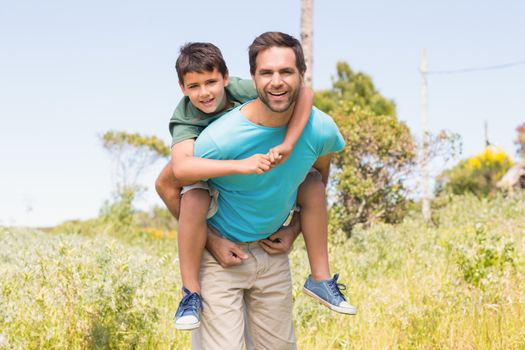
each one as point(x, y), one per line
point(252, 207)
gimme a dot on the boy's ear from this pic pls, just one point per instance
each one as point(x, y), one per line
point(181, 85)
point(226, 79)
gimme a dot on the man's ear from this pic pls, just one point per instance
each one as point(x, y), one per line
point(226, 78)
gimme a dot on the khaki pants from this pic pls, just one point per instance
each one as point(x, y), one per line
point(262, 287)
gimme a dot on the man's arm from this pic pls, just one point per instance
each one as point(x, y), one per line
point(301, 114)
point(282, 240)
point(189, 169)
point(323, 166)
point(226, 252)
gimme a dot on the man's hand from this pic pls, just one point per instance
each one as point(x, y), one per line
point(224, 251)
point(280, 153)
point(281, 241)
point(256, 164)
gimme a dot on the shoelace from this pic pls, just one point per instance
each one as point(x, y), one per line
point(191, 301)
point(336, 288)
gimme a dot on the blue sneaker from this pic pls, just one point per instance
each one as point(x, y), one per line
point(188, 313)
point(328, 292)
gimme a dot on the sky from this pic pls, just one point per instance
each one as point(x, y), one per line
point(71, 70)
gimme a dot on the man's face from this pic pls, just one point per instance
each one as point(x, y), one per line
point(206, 90)
point(277, 78)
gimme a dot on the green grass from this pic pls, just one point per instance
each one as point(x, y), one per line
point(455, 284)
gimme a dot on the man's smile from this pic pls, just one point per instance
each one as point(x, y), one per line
point(277, 95)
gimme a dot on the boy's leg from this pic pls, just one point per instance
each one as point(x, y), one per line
point(191, 236)
point(314, 224)
point(168, 190)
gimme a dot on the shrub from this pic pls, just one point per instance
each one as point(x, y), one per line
point(477, 175)
point(72, 292)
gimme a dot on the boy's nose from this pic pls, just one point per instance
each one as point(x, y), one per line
point(204, 92)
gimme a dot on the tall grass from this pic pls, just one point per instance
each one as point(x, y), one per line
point(455, 284)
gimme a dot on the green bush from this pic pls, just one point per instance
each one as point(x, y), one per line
point(486, 258)
point(477, 175)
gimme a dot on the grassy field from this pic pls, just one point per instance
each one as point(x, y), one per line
point(455, 284)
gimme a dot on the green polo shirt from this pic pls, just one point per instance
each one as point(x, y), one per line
point(188, 122)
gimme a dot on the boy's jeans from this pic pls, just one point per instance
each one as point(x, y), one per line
point(263, 285)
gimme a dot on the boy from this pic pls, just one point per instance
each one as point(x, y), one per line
point(204, 80)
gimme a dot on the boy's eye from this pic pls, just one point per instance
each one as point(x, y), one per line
point(192, 86)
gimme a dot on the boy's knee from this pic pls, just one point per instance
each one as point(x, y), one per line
point(159, 185)
point(315, 184)
point(166, 183)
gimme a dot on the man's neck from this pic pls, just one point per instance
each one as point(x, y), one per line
point(258, 113)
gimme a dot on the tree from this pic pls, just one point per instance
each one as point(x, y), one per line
point(379, 150)
point(350, 90)
point(131, 153)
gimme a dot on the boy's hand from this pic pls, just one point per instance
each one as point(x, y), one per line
point(256, 164)
point(279, 154)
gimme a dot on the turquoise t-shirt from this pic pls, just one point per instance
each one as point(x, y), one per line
point(252, 207)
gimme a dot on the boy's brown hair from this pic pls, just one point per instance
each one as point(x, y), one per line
point(199, 57)
point(278, 39)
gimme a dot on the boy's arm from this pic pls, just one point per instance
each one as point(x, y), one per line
point(189, 169)
point(282, 240)
point(301, 114)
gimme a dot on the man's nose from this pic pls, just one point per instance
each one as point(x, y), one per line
point(276, 79)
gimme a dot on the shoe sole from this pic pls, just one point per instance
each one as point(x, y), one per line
point(330, 306)
point(187, 327)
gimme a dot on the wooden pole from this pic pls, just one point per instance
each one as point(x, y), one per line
point(425, 176)
point(307, 39)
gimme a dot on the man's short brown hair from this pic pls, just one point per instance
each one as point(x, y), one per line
point(276, 39)
point(199, 57)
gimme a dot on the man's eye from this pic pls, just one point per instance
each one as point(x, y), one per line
point(192, 86)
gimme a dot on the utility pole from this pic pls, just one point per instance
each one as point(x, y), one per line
point(307, 39)
point(425, 176)
point(487, 142)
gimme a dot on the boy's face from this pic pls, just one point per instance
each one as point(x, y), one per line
point(206, 90)
point(277, 78)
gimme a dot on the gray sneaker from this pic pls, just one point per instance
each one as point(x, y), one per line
point(328, 293)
